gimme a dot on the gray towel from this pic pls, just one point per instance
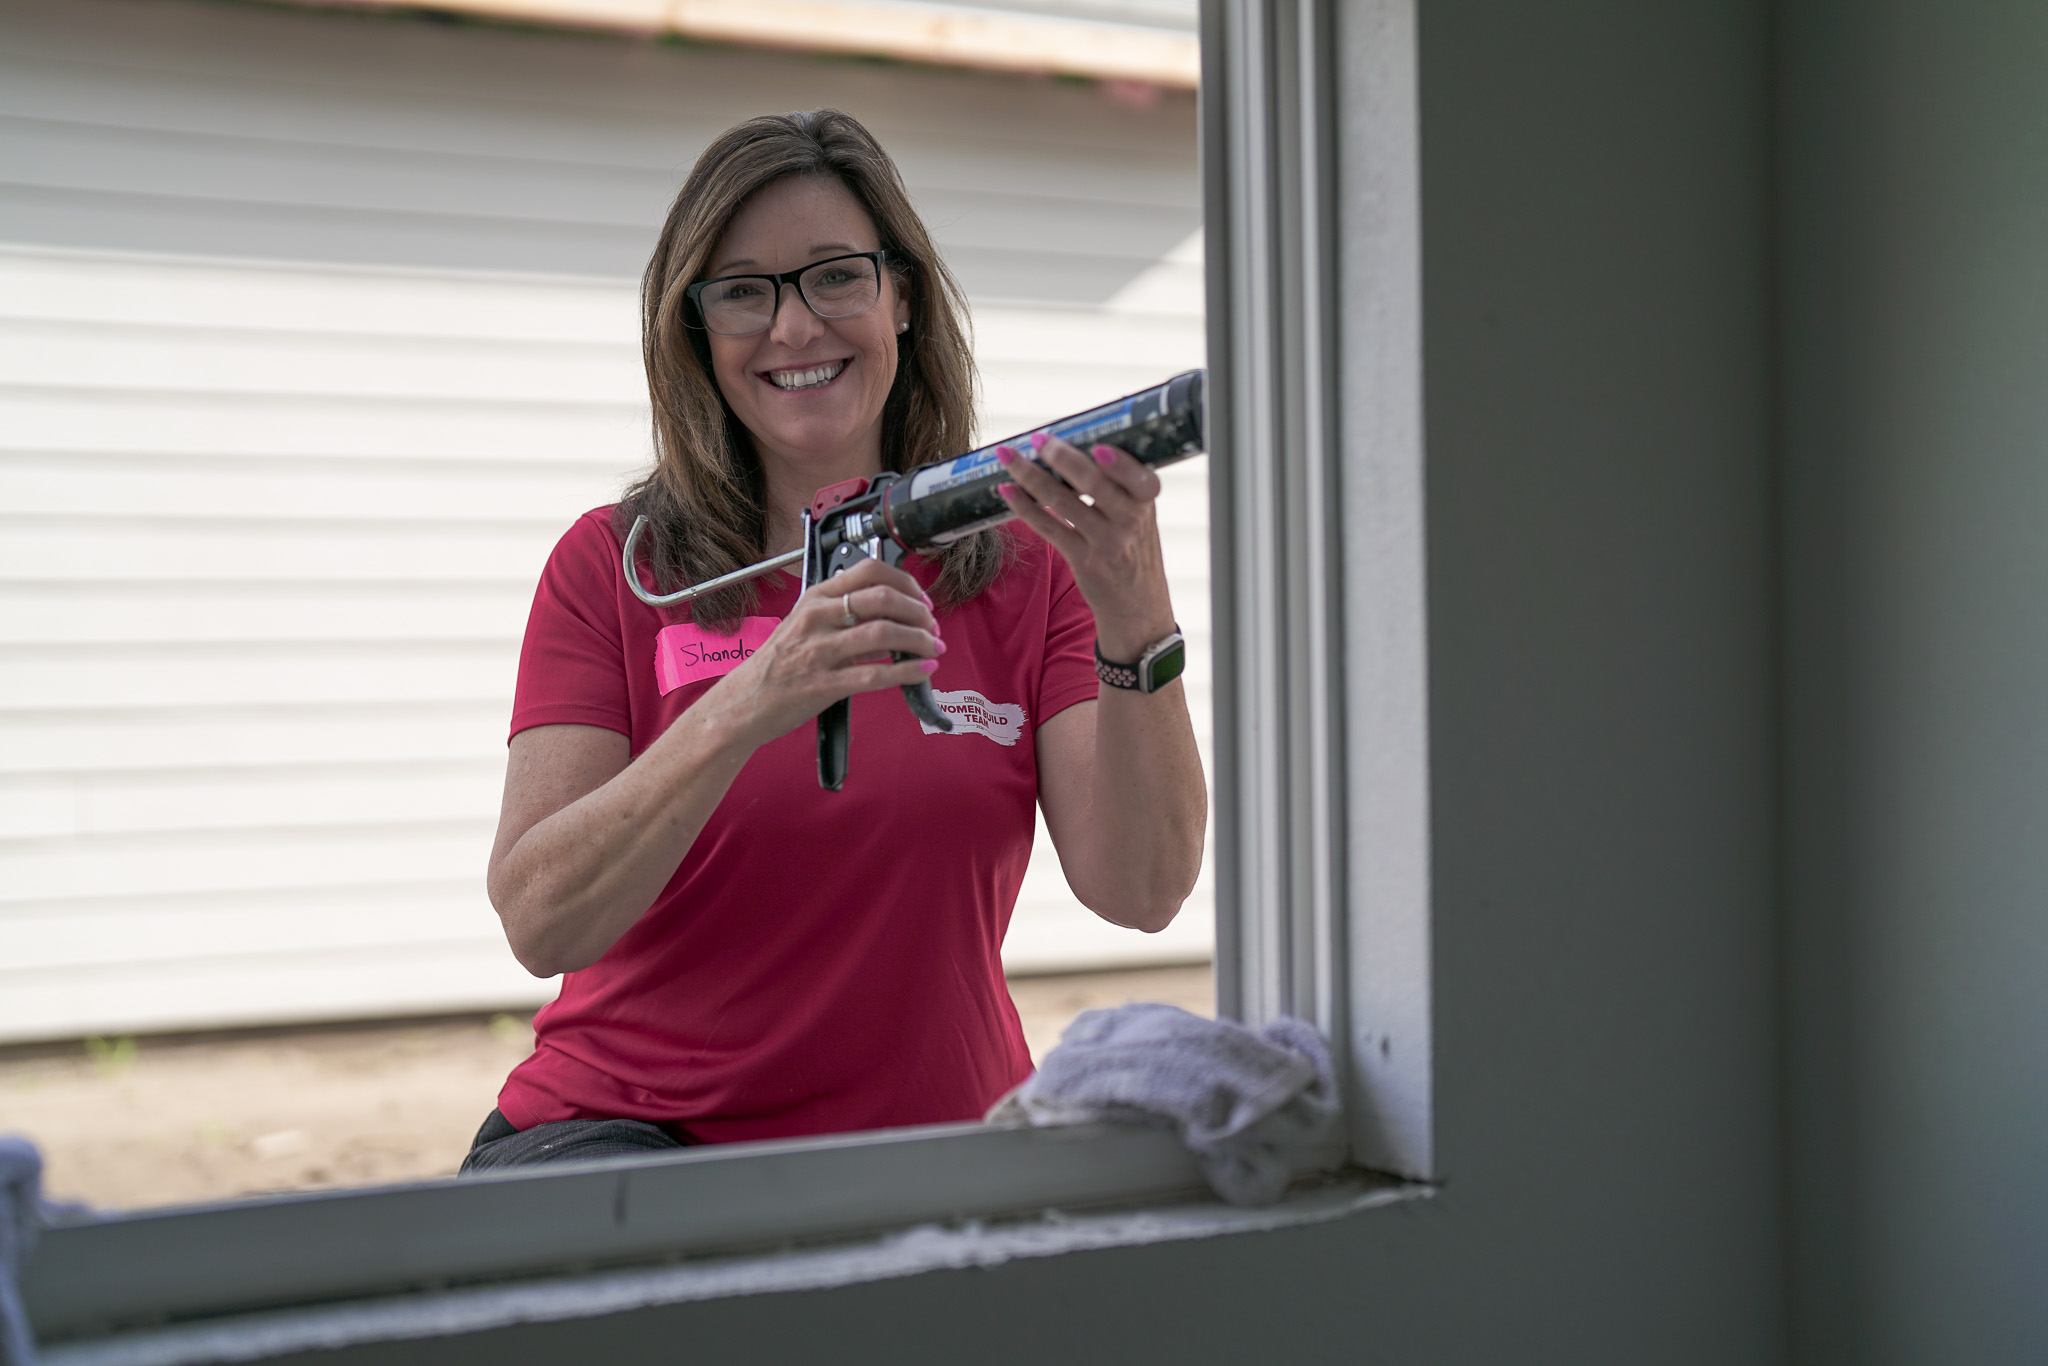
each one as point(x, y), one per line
point(1253, 1107)
point(21, 1216)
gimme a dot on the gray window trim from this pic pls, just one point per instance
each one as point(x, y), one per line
point(1322, 775)
point(249, 1254)
point(1315, 354)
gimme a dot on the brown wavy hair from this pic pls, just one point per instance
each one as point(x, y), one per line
point(705, 499)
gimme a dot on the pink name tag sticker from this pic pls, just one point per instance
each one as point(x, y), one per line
point(688, 653)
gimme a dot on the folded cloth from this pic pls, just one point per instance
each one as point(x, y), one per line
point(21, 1217)
point(1253, 1107)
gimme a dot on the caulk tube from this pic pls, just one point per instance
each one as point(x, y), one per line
point(937, 504)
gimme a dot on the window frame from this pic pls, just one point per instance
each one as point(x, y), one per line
point(1312, 185)
point(1322, 794)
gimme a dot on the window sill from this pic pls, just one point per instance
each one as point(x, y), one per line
point(204, 1283)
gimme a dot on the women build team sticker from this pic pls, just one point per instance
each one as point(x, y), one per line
point(973, 714)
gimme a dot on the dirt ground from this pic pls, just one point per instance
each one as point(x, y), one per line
point(156, 1121)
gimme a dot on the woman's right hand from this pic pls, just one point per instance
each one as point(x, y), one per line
point(836, 641)
point(589, 835)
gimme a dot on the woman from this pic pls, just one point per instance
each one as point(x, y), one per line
point(748, 956)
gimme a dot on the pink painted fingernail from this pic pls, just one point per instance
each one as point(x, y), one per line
point(926, 596)
point(1004, 455)
point(1104, 455)
point(1009, 490)
point(929, 666)
point(1038, 440)
point(942, 647)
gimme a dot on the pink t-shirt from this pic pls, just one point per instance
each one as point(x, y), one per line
point(821, 961)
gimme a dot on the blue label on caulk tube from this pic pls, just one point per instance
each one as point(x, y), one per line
point(953, 473)
point(1082, 430)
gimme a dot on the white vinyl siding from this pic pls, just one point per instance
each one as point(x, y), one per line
point(315, 332)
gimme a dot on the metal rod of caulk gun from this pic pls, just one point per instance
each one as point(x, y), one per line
point(940, 502)
point(696, 590)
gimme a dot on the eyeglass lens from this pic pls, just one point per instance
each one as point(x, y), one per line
point(745, 304)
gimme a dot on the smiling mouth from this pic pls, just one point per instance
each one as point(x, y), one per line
point(815, 377)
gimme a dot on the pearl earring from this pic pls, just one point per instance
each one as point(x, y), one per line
point(901, 328)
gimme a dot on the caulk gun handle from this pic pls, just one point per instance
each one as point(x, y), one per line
point(923, 705)
point(835, 723)
point(835, 729)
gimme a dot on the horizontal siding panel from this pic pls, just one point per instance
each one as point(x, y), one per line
point(122, 740)
point(1065, 280)
point(1022, 382)
point(92, 218)
point(243, 168)
point(247, 361)
point(299, 732)
point(106, 219)
point(110, 674)
point(612, 436)
point(333, 300)
point(49, 805)
point(310, 727)
point(1022, 343)
point(484, 74)
point(220, 547)
point(269, 526)
point(941, 158)
point(189, 224)
point(1055, 391)
point(264, 989)
point(234, 615)
point(152, 87)
point(166, 926)
point(241, 860)
point(1048, 223)
point(405, 916)
point(76, 484)
point(122, 109)
point(967, 149)
point(82, 486)
point(57, 155)
point(201, 612)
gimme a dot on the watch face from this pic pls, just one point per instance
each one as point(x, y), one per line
point(1167, 665)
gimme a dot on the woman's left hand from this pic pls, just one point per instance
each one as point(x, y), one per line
point(1120, 779)
point(1110, 540)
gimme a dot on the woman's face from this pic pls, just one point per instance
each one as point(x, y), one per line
point(810, 389)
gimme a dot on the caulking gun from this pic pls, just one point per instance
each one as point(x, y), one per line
point(891, 515)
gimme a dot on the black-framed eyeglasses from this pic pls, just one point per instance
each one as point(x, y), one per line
point(741, 305)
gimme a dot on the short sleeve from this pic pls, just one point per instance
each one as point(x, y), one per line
point(1069, 675)
point(572, 667)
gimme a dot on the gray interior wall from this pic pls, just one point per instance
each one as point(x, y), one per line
point(1594, 192)
point(1914, 197)
point(1594, 248)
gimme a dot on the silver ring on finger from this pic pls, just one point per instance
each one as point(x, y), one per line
point(852, 618)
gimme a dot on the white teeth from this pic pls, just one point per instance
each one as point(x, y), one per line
point(807, 379)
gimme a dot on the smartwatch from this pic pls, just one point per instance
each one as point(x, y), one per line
point(1161, 663)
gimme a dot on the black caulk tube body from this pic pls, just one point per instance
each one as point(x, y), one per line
point(939, 503)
